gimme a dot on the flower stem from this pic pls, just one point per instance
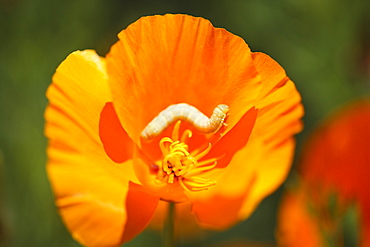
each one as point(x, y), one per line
point(168, 231)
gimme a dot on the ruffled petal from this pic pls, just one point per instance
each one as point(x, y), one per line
point(279, 118)
point(170, 59)
point(279, 104)
point(91, 190)
point(259, 168)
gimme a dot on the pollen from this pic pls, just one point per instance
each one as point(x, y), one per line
point(181, 166)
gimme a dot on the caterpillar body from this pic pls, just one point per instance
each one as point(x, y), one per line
point(189, 113)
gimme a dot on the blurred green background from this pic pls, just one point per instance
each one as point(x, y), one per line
point(324, 45)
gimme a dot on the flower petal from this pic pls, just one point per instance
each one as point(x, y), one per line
point(258, 168)
point(113, 136)
point(97, 222)
point(236, 139)
point(170, 59)
point(279, 118)
point(90, 189)
point(253, 173)
point(220, 215)
point(279, 104)
point(233, 181)
point(271, 169)
point(102, 211)
point(140, 206)
point(77, 97)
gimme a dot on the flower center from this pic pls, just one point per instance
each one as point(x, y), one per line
point(178, 164)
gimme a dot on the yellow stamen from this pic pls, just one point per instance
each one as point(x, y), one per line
point(206, 162)
point(175, 131)
point(199, 170)
point(186, 135)
point(178, 164)
point(171, 178)
point(204, 153)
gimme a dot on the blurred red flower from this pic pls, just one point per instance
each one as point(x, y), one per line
point(334, 171)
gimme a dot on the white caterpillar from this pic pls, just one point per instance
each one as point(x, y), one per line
point(189, 113)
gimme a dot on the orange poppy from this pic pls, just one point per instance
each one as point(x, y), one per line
point(336, 162)
point(108, 179)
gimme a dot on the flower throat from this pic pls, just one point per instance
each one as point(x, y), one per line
point(178, 164)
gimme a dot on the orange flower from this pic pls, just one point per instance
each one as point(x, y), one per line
point(303, 223)
point(335, 162)
point(108, 179)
